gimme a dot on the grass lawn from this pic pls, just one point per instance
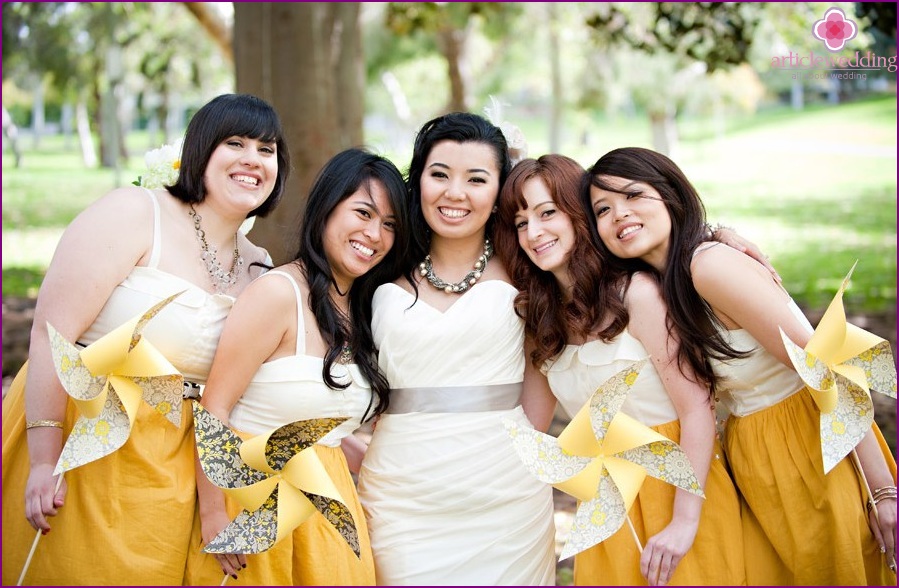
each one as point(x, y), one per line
point(816, 190)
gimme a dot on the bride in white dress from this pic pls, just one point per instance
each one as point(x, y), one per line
point(446, 497)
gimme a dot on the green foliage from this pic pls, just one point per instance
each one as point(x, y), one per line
point(716, 33)
point(22, 281)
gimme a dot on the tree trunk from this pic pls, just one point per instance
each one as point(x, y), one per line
point(286, 54)
point(664, 132)
point(452, 44)
point(797, 95)
point(82, 122)
point(214, 25)
point(350, 73)
point(555, 118)
point(37, 112)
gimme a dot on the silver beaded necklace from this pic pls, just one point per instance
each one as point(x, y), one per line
point(426, 269)
point(221, 280)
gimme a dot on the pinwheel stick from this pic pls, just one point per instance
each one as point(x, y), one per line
point(36, 539)
point(224, 580)
point(634, 533)
point(858, 466)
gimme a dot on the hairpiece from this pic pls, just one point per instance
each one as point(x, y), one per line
point(163, 165)
point(518, 145)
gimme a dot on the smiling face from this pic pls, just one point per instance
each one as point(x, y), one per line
point(358, 234)
point(545, 233)
point(459, 186)
point(241, 172)
point(632, 221)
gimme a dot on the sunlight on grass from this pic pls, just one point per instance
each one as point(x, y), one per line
point(30, 247)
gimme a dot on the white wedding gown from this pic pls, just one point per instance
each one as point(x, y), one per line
point(447, 499)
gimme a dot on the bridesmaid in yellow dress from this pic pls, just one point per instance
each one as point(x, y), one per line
point(297, 346)
point(126, 518)
point(590, 322)
point(801, 526)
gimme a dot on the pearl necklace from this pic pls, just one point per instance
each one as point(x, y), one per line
point(427, 270)
point(221, 280)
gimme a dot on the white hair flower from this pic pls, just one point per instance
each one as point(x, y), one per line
point(163, 166)
point(518, 145)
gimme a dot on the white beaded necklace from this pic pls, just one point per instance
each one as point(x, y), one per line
point(221, 280)
point(426, 269)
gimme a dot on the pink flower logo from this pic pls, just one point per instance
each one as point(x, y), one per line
point(835, 29)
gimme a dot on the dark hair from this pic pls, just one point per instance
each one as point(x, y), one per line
point(229, 115)
point(689, 315)
point(346, 173)
point(595, 294)
point(461, 127)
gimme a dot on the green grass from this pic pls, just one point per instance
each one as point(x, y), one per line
point(22, 281)
point(816, 190)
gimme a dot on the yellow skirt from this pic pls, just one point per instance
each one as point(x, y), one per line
point(315, 554)
point(800, 527)
point(716, 557)
point(127, 516)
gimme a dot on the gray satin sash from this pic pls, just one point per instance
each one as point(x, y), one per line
point(455, 398)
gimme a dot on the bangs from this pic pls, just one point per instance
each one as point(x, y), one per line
point(597, 181)
point(257, 122)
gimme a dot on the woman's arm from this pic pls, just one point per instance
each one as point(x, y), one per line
point(744, 296)
point(95, 254)
point(664, 550)
point(877, 475)
point(537, 398)
point(354, 449)
point(256, 329)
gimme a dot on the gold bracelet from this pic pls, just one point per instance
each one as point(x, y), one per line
point(42, 423)
point(884, 490)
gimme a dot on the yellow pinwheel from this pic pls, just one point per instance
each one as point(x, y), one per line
point(840, 365)
point(108, 379)
point(276, 477)
point(602, 458)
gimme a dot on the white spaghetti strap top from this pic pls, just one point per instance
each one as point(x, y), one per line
point(156, 250)
point(301, 331)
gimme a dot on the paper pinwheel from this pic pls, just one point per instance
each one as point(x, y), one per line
point(107, 380)
point(840, 365)
point(602, 458)
point(276, 477)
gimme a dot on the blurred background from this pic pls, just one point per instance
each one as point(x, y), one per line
point(791, 143)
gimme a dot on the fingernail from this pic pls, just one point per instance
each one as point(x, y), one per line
point(244, 566)
point(883, 549)
point(234, 576)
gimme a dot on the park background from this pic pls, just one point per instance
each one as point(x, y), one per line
point(799, 161)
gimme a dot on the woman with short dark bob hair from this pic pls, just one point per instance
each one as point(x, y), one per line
point(126, 518)
point(244, 115)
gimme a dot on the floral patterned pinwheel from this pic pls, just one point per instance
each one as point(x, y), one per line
point(840, 365)
point(276, 477)
point(107, 380)
point(602, 458)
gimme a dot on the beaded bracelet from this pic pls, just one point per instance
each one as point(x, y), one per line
point(43, 423)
